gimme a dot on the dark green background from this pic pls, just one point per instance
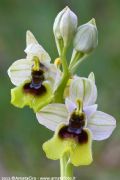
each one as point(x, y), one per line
point(21, 136)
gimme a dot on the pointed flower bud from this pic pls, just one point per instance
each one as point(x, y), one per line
point(86, 38)
point(65, 25)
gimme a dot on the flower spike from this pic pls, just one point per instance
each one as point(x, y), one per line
point(63, 102)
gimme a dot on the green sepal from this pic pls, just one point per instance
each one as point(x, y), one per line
point(20, 99)
point(80, 154)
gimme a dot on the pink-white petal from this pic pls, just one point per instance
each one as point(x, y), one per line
point(90, 110)
point(101, 125)
point(52, 115)
point(71, 106)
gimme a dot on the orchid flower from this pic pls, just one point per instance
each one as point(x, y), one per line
point(76, 123)
point(35, 77)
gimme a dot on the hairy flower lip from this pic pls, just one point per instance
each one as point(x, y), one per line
point(34, 99)
point(80, 153)
point(35, 86)
point(79, 135)
point(36, 91)
point(75, 128)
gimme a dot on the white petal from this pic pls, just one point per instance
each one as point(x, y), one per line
point(92, 77)
point(84, 89)
point(54, 75)
point(30, 39)
point(52, 115)
point(90, 110)
point(70, 105)
point(35, 49)
point(68, 25)
point(56, 25)
point(101, 125)
point(57, 79)
point(20, 71)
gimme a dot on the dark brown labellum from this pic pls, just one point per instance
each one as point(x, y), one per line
point(37, 78)
point(29, 88)
point(75, 128)
point(79, 135)
point(77, 120)
point(35, 87)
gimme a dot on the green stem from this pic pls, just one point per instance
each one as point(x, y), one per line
point(66, 166)
point(75, 57)
point(58, 96)
point(64, 61)
point(74, 68)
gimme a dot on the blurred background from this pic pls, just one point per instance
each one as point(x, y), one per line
point(21, 136)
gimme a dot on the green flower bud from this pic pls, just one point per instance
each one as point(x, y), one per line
point(65, 25)
point(86, 38)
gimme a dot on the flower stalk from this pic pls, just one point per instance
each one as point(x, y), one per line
point(66, 168)
point(75, 57)
point(74, 68)
point(58, 96)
